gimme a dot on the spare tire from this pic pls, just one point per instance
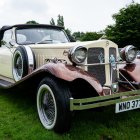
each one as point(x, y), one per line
point(23, 62)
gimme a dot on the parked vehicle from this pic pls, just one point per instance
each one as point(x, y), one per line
point(67, 76)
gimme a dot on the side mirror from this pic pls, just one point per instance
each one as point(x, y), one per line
point(71, 39)
point(12, 43)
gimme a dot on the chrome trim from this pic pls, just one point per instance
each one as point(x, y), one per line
point(71, 54)
point(129, 47)
point(127, 80)
point(94, 64)
point(30, 59)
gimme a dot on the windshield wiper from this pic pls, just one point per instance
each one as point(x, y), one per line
point(45, 41)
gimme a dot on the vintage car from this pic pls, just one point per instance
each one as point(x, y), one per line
point(67, 76)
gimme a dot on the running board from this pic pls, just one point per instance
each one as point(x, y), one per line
point(4, 83)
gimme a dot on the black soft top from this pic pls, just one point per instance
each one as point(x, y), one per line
point(30, 26)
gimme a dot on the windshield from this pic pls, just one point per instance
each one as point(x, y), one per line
point(40, 36)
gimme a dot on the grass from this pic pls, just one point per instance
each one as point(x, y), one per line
point(19, 121)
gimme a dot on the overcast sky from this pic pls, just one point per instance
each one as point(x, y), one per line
point(79, 15)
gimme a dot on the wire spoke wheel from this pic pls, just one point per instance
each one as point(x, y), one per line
point(23, 62)
point(53, 105)
point(19, 65)
point(47, 105)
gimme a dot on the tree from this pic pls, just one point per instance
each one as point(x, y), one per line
point(89, 36)
point(60, 21)
point(78, 35)
point(126, 29)
point(32, 22)
point(52, 22)
point(68, 32)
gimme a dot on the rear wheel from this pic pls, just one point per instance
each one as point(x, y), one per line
point(53, 105)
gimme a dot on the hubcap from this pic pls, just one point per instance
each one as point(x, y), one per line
point(18, 66)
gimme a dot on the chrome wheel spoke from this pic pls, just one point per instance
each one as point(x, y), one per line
point(18, 66)
point(50, 114)
point(48, 108)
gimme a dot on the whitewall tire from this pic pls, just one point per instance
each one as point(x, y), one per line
point(53, 104)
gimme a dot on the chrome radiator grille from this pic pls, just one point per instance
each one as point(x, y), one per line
point(112, 51)
point(99, 70)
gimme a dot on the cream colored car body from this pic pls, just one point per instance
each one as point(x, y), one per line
point(51, 51)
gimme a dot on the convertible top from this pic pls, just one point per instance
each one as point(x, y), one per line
point(30, 25)
point(4, 28)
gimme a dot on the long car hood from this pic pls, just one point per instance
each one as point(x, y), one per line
point(51, 51)
point(72, 44)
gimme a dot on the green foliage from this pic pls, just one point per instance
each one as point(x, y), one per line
point(81, 36)
point(126, 29)
point(60, 21)
point(78, 35)
point(89, 36)
point(2, 42)
point(32, 22)
point(68, 32)
point(52, 22)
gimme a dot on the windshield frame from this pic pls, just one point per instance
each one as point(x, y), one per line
point(40, 27)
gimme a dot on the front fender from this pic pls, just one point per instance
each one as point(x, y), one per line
point(71, 73)
point(131, 71)
point(66, 72)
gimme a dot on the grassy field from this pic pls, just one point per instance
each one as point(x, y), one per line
point(19, 121)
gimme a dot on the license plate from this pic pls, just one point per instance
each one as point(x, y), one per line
point(128, 105)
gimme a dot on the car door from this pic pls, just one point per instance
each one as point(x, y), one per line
point(6, 55)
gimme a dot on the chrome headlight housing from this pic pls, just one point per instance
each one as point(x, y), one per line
point(128, 53)
point(77, 55)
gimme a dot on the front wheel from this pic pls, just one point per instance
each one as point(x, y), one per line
point(53, 104)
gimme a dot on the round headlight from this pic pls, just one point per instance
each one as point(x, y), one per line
point(128, 53)
point(77, 55)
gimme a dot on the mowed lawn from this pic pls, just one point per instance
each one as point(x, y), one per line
point(19, 121)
